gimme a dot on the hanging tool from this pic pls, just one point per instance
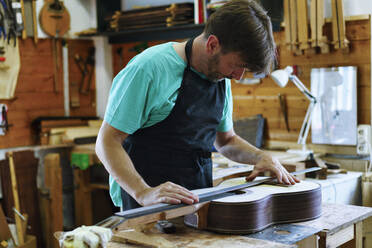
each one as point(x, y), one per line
point(119, 51)
point(86, 67)
point(287, 23)
point(8, 16)
point(18, 219)
point(24, 34)
point(55, 21)
point(12, 35)
point(4, 124)
point(338, 26)
point(302, 24)
point(283, 107)
point(2, 26)
point(34, 20)
point(56, 64)
point(317, 22)
point(18, 19)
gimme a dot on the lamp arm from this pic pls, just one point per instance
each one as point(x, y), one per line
point(304, 132)
point(302, 88)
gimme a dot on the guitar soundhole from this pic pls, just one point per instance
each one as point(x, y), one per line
point(241, 192)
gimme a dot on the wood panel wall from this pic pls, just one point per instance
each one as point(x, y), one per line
point(34, 94)
point(263, 98)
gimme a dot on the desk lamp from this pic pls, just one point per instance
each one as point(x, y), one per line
point(281, 77)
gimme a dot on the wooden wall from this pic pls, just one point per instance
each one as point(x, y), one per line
point(263, 99)
point(34, 94)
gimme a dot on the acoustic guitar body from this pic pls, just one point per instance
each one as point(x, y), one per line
point(255, 208)
point(54, 18)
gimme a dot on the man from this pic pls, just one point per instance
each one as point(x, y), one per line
point(173, 102)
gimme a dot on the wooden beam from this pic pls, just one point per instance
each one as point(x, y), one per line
point(288, 24)
point(303, 33)
point(338, 26)
point(338, 238)
point(294, 29)
point(83, 198)
point(53, 182)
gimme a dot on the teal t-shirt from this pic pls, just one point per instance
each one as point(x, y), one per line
point(145, 92)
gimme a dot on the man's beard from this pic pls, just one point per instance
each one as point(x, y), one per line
point(212, 65)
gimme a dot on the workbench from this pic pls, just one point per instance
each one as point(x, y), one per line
point(339, 225)
point(83, 156)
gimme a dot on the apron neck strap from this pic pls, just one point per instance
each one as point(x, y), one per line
point(188, 49)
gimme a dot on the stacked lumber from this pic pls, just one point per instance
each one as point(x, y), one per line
point(160, 16)
point(54, 132)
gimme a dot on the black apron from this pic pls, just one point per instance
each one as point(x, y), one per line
point(178, 149)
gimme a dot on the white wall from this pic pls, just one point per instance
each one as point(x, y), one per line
point(351, 7)
point(104, 73)
point(129, 4)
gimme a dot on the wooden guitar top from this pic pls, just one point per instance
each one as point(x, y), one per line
point(262, 191)
point(255, 208)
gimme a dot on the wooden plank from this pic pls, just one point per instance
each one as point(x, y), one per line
point(83, 198)
point(139, 238)
point(53, 182)
point(313, 23)
point(310, 242)
point(26, 169)
point(358, 55)
point(294, 25)
point(302, 26)
point(4, 228)
point(322, 40)
point(367, 232)
point(20, 236)
point(344, 43)
point(287, 23)
point(338, 238)
point(280, 144)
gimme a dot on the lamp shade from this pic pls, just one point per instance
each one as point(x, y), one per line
point(281, 77)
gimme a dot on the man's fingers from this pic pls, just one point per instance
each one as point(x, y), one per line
point(179, 197)
point(253, 175)
point(171, 187)
point(296, 179)
point(169, 200)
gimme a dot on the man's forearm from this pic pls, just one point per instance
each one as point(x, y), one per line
point(239, 150)
point(119, 165)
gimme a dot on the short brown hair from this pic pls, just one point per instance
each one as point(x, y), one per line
point(243, 26)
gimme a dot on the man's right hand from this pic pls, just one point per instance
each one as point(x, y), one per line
point(168, 192)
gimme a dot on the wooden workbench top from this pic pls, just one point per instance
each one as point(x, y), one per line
point(191, 238)
point(334, 218)
point(338, 216)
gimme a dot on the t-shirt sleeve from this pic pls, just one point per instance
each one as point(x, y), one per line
point(226, 122)
point(128, 106)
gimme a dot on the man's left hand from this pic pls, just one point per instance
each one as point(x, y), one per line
point(268, 163)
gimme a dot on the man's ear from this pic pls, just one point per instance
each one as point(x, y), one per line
point(213, 45)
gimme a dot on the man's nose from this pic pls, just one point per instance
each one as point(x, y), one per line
point(238, 73)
